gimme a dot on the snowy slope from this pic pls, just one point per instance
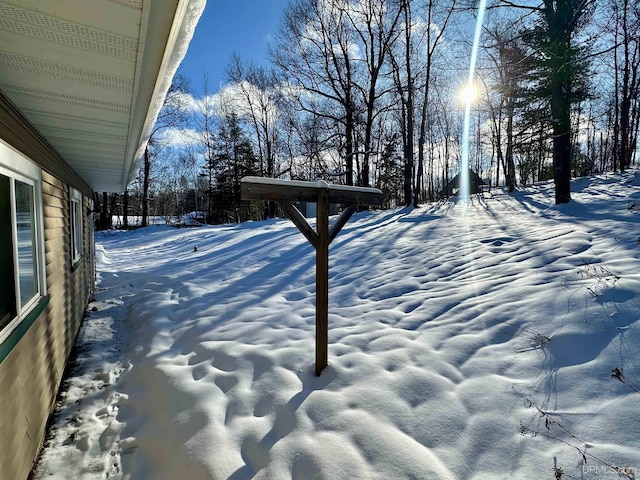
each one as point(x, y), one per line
point(468, 340)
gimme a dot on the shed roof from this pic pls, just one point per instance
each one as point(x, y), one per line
point(474, 182)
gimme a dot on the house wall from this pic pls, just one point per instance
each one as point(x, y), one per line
point(30, 374)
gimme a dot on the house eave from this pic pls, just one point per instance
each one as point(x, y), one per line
point(88, 79)
point(185, 19)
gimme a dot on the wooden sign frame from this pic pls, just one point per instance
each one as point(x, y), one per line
point(288, 191)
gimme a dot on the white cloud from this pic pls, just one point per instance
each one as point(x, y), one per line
point(180, 137)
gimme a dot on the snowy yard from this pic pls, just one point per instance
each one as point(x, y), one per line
point(466, 341)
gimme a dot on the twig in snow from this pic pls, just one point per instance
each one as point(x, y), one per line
point(574, 442)
point(617, 373)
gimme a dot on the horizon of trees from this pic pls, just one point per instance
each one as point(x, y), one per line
point(366, 92)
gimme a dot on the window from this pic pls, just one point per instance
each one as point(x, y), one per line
point(76, 224)
point(21, 244)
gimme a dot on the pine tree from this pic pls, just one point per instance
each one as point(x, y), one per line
point(234, 158)
point(561, 69)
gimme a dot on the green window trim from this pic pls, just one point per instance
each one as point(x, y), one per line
point(14, 337)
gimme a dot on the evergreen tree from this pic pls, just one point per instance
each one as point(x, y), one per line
point(560, 69)
point(391, 178)
point(234, 158)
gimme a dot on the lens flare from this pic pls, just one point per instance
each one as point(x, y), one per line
point(464, 168)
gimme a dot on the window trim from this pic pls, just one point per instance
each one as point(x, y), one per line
point(76, 224)
point(12, 339)
point(18, 167)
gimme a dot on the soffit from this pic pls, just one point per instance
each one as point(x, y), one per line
point(85, 74)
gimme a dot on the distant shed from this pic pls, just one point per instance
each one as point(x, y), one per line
point(452, 188)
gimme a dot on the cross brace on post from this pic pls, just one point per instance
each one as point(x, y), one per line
point(288, 191)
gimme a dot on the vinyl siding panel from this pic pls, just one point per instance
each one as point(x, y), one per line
point(31, 373)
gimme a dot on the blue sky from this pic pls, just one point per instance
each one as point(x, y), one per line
point(228, 26)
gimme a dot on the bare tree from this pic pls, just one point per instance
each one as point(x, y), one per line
point(259, 90)
point(434, 11)
point(405, 86)
point(314, 52)
point(626, 56)
point(375, 25)
point(507, 56)
point(413, 65)
point(172, 115)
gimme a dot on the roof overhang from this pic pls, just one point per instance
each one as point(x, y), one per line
point(90, 76)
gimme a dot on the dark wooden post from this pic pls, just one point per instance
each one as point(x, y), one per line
point(286, 192)
point(322, 280)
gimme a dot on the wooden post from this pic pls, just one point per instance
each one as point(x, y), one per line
point(322, 281)
point(287, 191)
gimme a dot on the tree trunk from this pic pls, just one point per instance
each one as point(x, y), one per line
point(97, 209)
point(145, 187)
point(104, 212)
point(112, 208)
point(349, 148)
point(616, 108)
point(125, 209)
point(559, 20)
point(625, 105)
point(560, 108)
point(511, 168)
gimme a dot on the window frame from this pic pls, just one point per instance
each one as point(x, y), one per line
point(19, 168)
point(76, 224)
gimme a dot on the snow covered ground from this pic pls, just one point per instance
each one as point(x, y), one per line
point(492, 339)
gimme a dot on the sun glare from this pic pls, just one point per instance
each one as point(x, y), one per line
point(468, 94)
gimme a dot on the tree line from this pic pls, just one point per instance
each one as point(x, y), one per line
point(366, 92)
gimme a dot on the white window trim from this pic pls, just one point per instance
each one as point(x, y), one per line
point(18, 167)
point(77, 232)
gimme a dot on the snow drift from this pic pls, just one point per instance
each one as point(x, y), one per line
point(466, 340)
